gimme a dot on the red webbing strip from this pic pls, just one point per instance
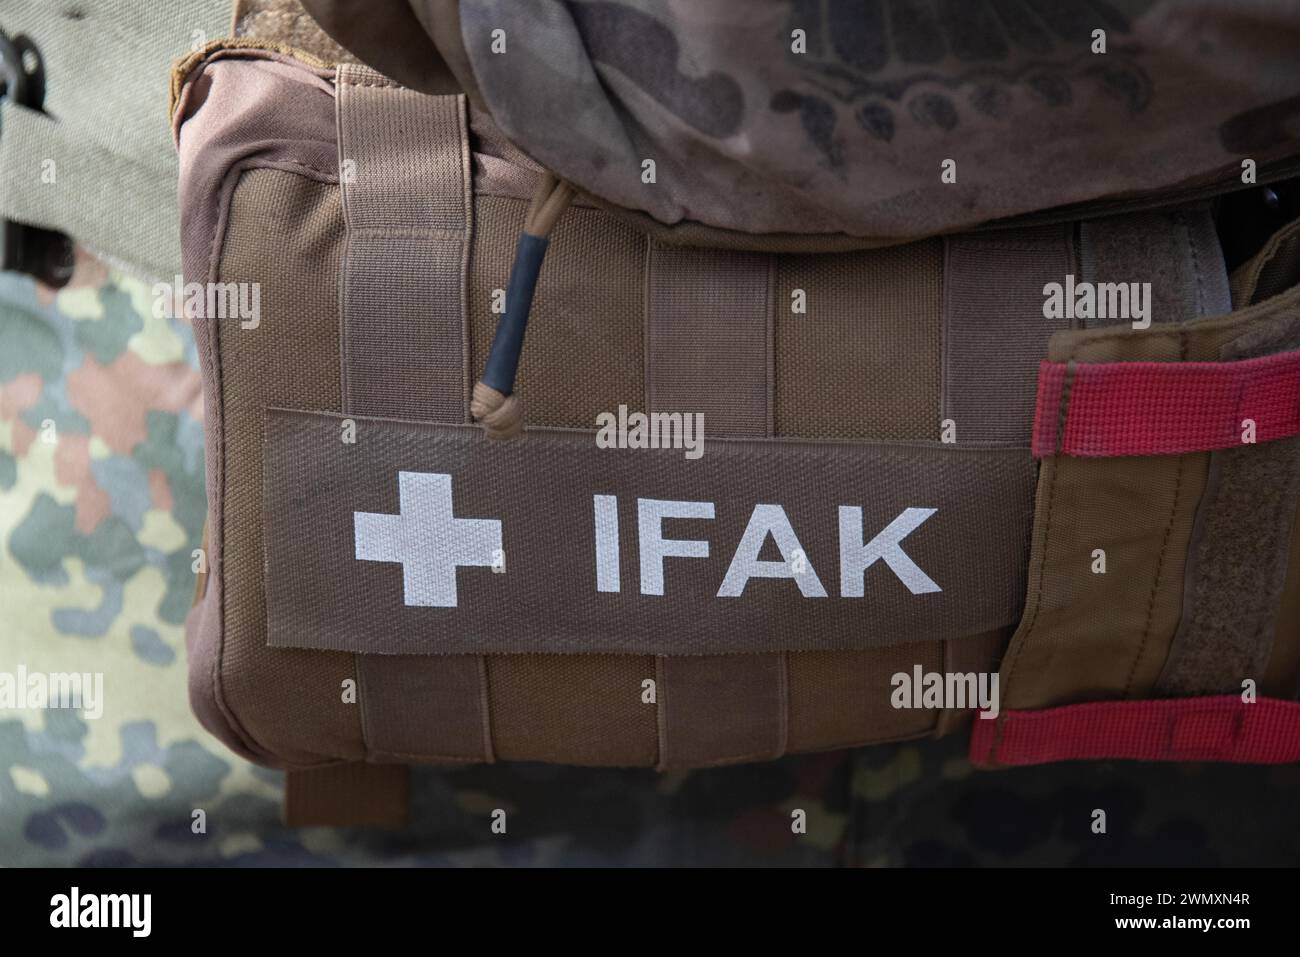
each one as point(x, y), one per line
point(1164, 408)
point(1219, 728)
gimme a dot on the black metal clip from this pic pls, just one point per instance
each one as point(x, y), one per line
point(43, 253)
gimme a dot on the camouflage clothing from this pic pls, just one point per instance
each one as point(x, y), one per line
point(98, 524)
point(841, 117)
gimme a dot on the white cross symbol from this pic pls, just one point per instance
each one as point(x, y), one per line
point(426, 538)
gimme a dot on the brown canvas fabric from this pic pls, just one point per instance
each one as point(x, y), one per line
point(407, 209)
point(1282, 679)
point(715, 710)
point(709, 338)
point(573, 709)
point(348, 795)
point(571, 375)
point(291, 357)
point(978, 654)
point(238, 133)
point(1275, 269)
point(841, 699)
point(994, 331)
point(863, 361)
point(1089, 636)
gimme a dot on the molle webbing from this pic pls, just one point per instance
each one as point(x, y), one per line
point(709, 338)
point(994, 331)
point(709, 331)
point(1220, 728)
point(348, 795)
point(406, 203)
point(407, 210)
point(1165, 408)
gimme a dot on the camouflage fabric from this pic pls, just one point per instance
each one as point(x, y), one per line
point(101, 505)
point(841, 117)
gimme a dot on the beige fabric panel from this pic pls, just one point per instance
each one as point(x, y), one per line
point(709, 338)
point(285, 232)
point(863, 361)
point(579, 709)
point(1089, 636)
point(994, 331)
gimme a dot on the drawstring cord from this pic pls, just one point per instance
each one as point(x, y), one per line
point(493, 403)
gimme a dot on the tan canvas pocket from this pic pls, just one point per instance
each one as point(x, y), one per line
point(1159, 574)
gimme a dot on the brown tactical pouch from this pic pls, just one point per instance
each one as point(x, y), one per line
point(387, 586)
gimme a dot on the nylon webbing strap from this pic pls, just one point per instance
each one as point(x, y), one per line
point(978, 653)
point(1219, 728)
point(92, 194)
point(99, 164)
point(709, 350)
point(994, 331)
point(404, 168)
point(404, 171)
point(709, 337)
point(348, 795)
point(1165, 408)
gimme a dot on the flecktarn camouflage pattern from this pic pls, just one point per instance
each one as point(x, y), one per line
point(98, 523)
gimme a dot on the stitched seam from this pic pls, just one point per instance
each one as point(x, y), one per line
point(1025, 636)
point(1164, 550)
point(661, 716)
point(352, 80)
point(1196, 265)
point(489, 754)
point(409, 756)
point(214, 335)
point(1063, 414)
point(229, 184)
point(998, 731)
point(1016, 647)
point(783, 718)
